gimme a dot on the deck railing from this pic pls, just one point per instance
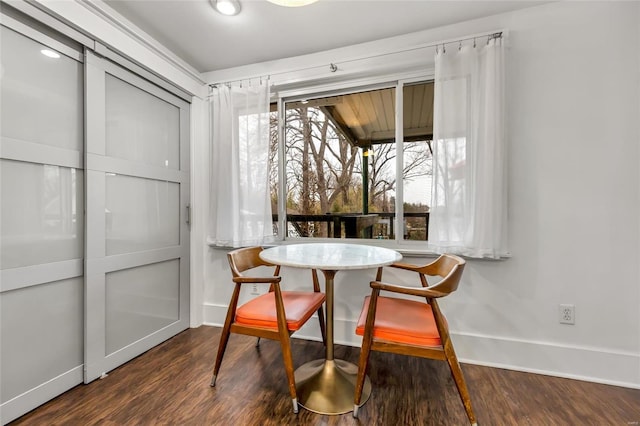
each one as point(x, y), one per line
point(355, 225)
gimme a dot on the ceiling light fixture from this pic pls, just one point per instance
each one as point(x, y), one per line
point(226, 7)
point(292, 3)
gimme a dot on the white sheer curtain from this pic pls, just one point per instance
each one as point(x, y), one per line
point(468, 215)
point(240, 206)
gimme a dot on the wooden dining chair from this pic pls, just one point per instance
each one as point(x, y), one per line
point(412, 327)
point(274, 315)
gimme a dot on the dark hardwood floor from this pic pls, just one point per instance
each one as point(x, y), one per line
point(170, 385)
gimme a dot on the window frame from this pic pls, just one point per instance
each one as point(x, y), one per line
point(396, 81)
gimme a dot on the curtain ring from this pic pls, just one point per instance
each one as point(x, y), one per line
point(333, 67)
point(460, 45)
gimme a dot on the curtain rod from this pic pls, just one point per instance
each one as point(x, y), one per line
point(248, 80)
point(333, 67)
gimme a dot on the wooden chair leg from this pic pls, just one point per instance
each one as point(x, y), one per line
point(288, 366)
point(222, 347)
point(365, 351)
point(461, 384)
point(316, 288)
point(226, 331)
point(323, 330)
point(367, 341)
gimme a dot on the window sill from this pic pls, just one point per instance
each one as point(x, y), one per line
point(407, 249)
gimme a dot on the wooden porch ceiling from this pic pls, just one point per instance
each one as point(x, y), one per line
point(368, 118)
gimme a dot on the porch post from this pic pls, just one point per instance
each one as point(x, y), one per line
point(365, 180)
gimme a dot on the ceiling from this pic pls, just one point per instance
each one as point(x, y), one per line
point(262, 31)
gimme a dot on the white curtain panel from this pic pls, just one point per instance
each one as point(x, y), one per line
point(240, 207)
point(468, 215)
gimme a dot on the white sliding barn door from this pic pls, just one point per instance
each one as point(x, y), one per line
point(41, 217)
point(137, 237)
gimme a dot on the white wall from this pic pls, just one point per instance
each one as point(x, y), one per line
point(573, 109)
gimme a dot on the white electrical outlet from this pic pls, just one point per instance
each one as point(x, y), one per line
point(254, 290)
point(567, 313)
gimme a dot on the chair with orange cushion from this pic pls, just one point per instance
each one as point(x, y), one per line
point(274, 315)
point(412, 327)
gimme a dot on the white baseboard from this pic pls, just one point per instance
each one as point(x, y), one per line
point(37, 396)
point(598, 365)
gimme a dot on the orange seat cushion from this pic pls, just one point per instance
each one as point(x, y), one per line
point(298, 308)
point(401, 321)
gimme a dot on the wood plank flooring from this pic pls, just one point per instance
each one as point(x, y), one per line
point(169, 385)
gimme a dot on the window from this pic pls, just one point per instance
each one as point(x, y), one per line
point(341, 164)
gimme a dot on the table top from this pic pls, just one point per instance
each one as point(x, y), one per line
point(330, 256)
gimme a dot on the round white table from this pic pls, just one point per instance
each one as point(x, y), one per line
point(327, 386)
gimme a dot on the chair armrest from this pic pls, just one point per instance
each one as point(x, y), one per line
point(414, 291)
point(428, 269)
point(257, 280)
point(407, 266)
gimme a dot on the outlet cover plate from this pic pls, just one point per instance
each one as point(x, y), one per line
point(567, 313)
